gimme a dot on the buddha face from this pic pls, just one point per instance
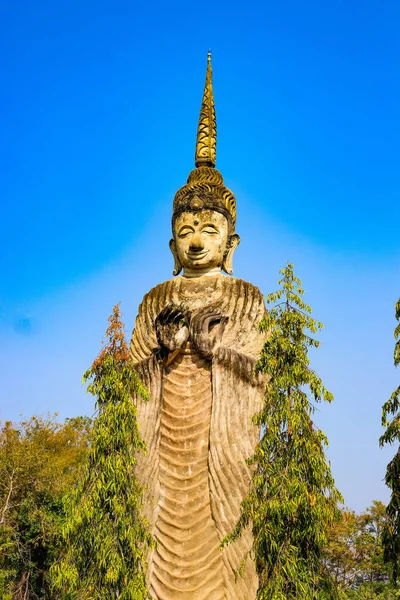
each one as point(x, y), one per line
point(200, 242)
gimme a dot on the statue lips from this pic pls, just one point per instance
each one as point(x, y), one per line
point(197, 255)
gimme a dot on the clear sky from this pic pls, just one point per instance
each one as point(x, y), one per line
point(99, 106)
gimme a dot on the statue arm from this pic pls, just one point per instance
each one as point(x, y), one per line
point(242, 364)
point(207, 334)
point(147, 366)
point(144, 345)
point(160, 333)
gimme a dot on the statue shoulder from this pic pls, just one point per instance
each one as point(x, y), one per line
point(143, 339)
point(243, 304)
point(157, 297)
point(240, 286)
point(193, 291)
point(245, 308)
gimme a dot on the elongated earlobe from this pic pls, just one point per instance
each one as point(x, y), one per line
point(177, 263)
point(233, 243)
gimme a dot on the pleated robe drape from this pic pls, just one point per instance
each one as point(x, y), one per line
point(198, 432)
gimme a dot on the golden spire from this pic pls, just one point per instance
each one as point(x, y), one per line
point(206, 142)
point(205, 187)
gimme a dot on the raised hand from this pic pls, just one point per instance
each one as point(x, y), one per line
point(206, 329)
point(171, 328)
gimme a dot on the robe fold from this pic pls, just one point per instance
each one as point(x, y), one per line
point(198, 432)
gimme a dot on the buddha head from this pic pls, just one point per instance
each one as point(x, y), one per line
point(204, 238)
point(204, 210)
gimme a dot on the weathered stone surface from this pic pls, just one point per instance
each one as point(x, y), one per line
point(197, 427)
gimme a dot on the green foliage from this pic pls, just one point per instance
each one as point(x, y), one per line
point(105, 536)
point(39, 459)
point(354, 553)
point(371, 591)
point(292, 500)
point(391, 420)
point(340, 555)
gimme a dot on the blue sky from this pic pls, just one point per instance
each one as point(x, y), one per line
point(99, 105)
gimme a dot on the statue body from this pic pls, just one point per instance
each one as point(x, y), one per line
point(198, 432)
point(195, 343)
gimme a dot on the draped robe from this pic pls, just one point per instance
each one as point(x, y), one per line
point(198, 432)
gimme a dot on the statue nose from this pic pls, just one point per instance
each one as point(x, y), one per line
point(196, 243)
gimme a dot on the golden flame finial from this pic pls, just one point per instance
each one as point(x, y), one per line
point(206, 142)
point(205, 187)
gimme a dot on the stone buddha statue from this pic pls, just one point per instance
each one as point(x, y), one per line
point(194, 345)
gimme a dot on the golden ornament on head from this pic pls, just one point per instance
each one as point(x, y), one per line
point(197, 203)
point(205, 183)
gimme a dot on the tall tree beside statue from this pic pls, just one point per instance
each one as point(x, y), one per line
point(105, 536)
point(391, 421)
point(292, 499)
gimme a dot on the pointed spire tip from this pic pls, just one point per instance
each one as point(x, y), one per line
point(207, 129)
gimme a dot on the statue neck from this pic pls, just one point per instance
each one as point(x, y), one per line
point(191, 273)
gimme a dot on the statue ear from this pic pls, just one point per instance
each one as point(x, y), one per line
point(177, 263)
point(233, 243)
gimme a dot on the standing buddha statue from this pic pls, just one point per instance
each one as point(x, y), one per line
point(195, 344)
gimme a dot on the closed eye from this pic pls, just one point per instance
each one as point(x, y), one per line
point(185, 231)
point(210, 230)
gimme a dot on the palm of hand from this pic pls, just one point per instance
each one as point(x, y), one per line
point(171, 329)
point(206, 329)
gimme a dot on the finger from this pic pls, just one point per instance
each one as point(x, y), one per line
point(177, 316)
point(218, 324)
point(164, 314)
point(198, 325)
point(181, 336)
point(171, 314)
point(207, 322)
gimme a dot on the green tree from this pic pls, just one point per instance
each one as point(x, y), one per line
point(105, 536)
point(354, 554)
point(292, 498)
point(339, 554)
point(391, 421)
point(39, 460)
point(371, 569)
